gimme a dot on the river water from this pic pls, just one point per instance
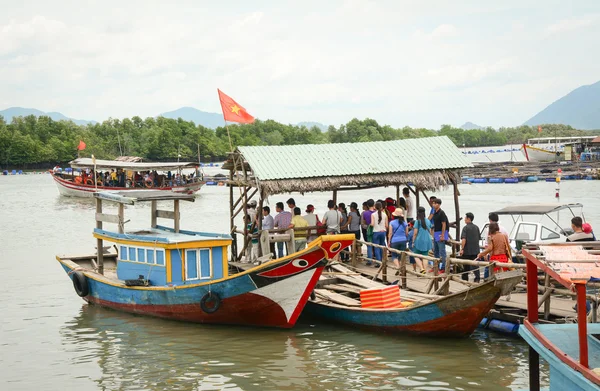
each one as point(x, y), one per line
point(50, 339)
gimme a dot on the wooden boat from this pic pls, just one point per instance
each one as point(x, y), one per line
point(572, 351)
point(70, 184)
point(184, 275)
point(458, 314)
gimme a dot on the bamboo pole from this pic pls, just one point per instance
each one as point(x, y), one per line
point(100, 242)
point(403, 269)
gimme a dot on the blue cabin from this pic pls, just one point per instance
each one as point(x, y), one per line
point(162, 256)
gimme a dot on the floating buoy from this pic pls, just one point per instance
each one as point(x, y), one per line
point(511, 180)
point(480, 180)
point(532, 178)
point(503, 327)
point(496, 180)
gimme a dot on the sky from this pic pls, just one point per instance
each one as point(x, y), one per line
point(402, 63)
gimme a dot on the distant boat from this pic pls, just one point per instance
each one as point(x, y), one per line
point(544, 149)
point(78, 185)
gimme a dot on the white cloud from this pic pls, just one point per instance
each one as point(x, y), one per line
point(288, 61)
point(444, 30)
point(571, 24)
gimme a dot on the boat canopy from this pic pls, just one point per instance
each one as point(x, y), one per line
point(86, 162)
point(130, 197)
point(536, 209)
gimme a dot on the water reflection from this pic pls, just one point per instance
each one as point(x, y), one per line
point(137, 352)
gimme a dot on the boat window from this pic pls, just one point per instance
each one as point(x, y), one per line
point(123, 253)
point(548, 234)
point(132, 252)
point(198, 264)
point(160, 257)
point(191, 270)
point(526, 232)
point(141, 255)
point(150, 256)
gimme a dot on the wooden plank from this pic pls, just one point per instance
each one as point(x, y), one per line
point(107, 218)
point(343, 288)
point(165, 214)
point(336, 298)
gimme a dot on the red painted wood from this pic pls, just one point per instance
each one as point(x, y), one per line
point(245, 309)
point(532, 297)
point(562, 356)
point(582, 324)
point(547, 269)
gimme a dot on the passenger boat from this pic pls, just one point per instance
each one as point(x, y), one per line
point(71, 184)
point(572, 351)
point(347, 298)
point(544, 149)
point(184, 275)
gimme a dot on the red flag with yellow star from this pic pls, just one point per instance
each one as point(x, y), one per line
point(232, 111)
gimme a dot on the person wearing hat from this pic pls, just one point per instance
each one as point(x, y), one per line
point(587, 228)
point(579, 235)
point(397, 235)
point(390, 205)
point(252, 210)
point(313, 220)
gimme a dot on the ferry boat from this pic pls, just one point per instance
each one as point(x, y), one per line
point(184, 275)
point(79, 185)
point(348, 298)
point(543, 149)
point(572, 350)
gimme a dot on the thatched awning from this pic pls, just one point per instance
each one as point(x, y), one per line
point(428, 163)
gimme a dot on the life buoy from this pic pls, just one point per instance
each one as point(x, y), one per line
point(210, 302)
point(78, 180)
point(80, 284)
point(89, 182)
point(148, 183)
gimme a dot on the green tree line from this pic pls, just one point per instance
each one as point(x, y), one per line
point(31, 140)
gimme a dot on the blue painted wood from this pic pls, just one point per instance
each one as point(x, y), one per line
point(176, 266)
point(195, 233)
point(128, 295)
point(217, 259)
point(565, 338)
point(157, 275)
point(379, 319)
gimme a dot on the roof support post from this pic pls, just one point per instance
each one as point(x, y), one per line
point(582, 324)
point(121, 218)
point(456, 206)
point(99, 242)
point(231, 215)
point(532, 290)
point(153, 223)
point(176, 215)
point(397, 195)
point(335, 197)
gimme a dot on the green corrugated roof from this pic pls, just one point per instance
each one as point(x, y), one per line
point(333, 160)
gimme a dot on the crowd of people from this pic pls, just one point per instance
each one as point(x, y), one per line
point(143, 179)
point(395, 225)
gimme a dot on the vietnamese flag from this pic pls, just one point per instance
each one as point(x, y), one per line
point(81, 145)
point(539, 129)
point(232, 111)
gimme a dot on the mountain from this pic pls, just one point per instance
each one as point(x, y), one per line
point(580, 108)
point(11, 112)
point(209, 120)
point(471, 126)
point(311, 124)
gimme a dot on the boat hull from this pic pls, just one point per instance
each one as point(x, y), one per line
point(458, 314)
point(565, 373)
point(271, 295)
point(71, 189)
point(534, 154)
